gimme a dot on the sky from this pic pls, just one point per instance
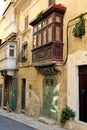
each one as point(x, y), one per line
point(2, 7)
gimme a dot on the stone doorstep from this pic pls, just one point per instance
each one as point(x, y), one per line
point(47, 121)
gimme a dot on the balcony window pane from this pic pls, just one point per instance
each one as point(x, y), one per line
point(39, 26)
point(11, 52)
point(39, 39)
point(58, 19)
point(58, 36)
point(35, 29)
point(35, 41)
point(50, 20)
point(44, 37)
point(50, 34)
point(44, 23)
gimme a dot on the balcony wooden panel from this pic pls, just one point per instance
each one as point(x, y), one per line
point(50, 53)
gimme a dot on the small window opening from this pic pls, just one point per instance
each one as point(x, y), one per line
point(51, 2)
point(11, 52)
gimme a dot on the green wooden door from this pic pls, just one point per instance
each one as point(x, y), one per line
point(13, 99)
point(50, 97)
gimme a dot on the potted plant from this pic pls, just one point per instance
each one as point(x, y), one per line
point(39, 16)
point(67, 114)
point(79, 29)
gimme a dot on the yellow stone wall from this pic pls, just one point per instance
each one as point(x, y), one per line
point(65, 77)
point(34, 104)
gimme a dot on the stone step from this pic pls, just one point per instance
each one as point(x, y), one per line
point(47, 120)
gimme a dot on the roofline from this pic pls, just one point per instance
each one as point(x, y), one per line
point(56, 7)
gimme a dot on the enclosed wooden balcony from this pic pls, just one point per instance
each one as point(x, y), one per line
point(48, 36)
point(49, 53)
point(7, 56)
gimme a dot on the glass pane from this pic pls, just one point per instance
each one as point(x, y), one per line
point(44, 37)
point(58, 19)
point(11, 46)
point(58, 36)
point(50, 34)
point(35, 29)
point(52, 81)
point(47, 81)
point(35, 41)
point(11, 52)
point(44, 23)
point(39, 39)
point(39, 26)
point(50, 20)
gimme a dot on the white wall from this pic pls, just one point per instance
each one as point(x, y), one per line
point(74, 61)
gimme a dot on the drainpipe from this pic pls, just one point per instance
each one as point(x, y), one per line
point(67, 43)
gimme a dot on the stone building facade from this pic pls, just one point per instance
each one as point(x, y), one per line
point(51, 63)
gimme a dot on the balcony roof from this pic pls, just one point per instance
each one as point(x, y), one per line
point(7, 7)
point(58, 8)
point(7, 42)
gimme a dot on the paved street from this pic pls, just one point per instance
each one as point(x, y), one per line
point(8, 124)
point(32, 123)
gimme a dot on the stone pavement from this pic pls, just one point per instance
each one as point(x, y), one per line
point(32, 122)
point(9, 124)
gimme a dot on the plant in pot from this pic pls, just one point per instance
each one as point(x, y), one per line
point(66, 115)
point(79, 29)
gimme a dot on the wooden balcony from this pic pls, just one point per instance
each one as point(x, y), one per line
point(47, 54)
point(48, 36)
point(7, 56)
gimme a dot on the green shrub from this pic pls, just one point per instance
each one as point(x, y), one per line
point(39, 16)
point(66, 114)
point(79, 29)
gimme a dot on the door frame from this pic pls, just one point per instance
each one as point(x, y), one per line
point(82, 92)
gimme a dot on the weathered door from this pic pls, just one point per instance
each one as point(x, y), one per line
point(6, 92)
point(83, 93)
point(23, 94)
point(13, 99)
point(50, 97)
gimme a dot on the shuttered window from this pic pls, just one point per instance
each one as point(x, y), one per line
point(26, 22)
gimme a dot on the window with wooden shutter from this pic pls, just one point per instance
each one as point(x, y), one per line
point(26, 22)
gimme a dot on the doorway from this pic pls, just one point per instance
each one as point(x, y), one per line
point(23, 94)
point(83, 93)
point(6, 91)
point(0, 95)
point(50, 97)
